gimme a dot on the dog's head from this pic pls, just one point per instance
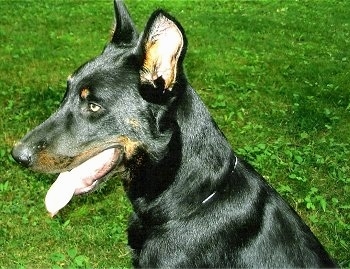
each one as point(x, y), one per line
point(116, 110)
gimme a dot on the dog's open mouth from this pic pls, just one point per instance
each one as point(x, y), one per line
point(82, 179)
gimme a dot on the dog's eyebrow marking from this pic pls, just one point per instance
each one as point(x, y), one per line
point(209, 197)
point(84, 93)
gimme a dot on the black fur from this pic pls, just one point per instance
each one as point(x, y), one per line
point(196, 204)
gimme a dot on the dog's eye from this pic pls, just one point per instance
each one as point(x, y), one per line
point(93, 107)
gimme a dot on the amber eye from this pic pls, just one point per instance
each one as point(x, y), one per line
point(93, 107)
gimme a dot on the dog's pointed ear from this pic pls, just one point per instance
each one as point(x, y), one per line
point(125, 32)
point(163, 45)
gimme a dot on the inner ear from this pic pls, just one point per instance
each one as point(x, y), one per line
point(162, 45)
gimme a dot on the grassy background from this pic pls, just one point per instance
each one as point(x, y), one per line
point(275, 75)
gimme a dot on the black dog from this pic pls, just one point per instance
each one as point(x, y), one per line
point(131, 110)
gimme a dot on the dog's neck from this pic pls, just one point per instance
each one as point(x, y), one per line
point(195, 131)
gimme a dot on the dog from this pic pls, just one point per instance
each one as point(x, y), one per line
point(131, 111)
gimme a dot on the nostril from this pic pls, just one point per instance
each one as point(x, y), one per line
point(22, 155)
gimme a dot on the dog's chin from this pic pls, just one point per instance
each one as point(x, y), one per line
point(84, 178)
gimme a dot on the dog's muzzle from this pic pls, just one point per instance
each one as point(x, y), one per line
point(76, 177)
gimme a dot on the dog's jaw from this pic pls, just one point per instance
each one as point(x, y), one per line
point(82, 179)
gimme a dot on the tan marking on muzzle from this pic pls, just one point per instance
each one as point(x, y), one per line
point(49, 163)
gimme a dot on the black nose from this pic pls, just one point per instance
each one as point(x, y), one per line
point(23, 155)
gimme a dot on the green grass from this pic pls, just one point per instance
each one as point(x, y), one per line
point(275, 75)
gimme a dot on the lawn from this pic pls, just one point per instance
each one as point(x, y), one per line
point(275, 75)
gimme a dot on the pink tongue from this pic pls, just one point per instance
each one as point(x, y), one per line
point(78, 180)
